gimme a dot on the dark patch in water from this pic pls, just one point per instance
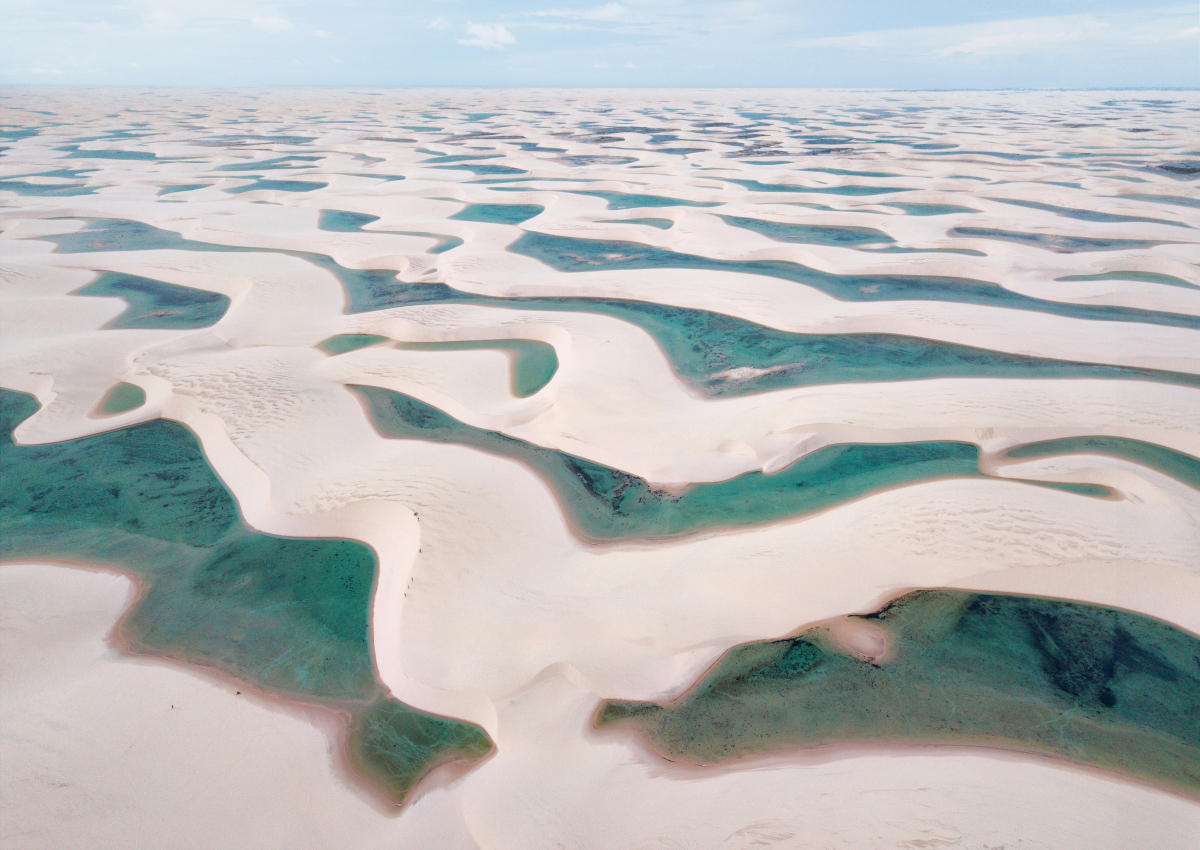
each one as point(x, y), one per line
point(1092, 684)
point(607, 505)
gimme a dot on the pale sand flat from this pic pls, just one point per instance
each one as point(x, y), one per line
point(488, 608)
point(143, 766)
point(106, 751)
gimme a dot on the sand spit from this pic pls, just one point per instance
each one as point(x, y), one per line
point(489, 608)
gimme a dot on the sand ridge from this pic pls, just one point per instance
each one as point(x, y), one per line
point(488, 607)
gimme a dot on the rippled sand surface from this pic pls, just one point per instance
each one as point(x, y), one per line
point(611, 383)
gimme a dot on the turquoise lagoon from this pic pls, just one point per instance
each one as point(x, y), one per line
point(1096, 685)
point(287, 614)
point(534, 362)
point(704, 348)
point(343, 221)
point(1057, 244)
point(1178, 465)
point(1139, 277)
point(604, 504)
point(156, 304)
point(121, 399)
point(569, 254)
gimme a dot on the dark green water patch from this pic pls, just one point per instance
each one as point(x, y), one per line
point(1085, 215)
point(343, 343)
point(660, 223)
point(395, 745)
point(287, 614)
point(841, 236)
point(344, 221)
point(373, 175)
point(1096, 491)
point(121, 399)
point(44, 190)
point(629, 200)
point(498, 213)
point(485, 169)
point(931, 209)
point(156, 304)
point(810, 206)
point(188, 187)
point(569, 254)
point(534, 362)
point(1177, 465)
point(278, 186)
point(110, 154)
point(444, 158)
point(605, 504)
point(845, 173)
point(1055, 243)
point(1095, 685)
point(288, 161)
point(1142, 277)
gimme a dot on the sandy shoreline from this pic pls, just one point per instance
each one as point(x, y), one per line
point(487, 606)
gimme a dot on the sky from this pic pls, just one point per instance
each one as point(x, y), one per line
point(940, 44)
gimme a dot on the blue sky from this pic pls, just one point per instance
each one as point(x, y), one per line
point(801, 43)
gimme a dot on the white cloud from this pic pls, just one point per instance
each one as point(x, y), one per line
point(319, 33)
point(439, 23)
point(272, 24)
point(490, 36)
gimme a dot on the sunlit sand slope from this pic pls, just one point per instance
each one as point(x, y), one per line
point(607, 384)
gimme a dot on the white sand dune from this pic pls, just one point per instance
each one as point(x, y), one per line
point(489, 607)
